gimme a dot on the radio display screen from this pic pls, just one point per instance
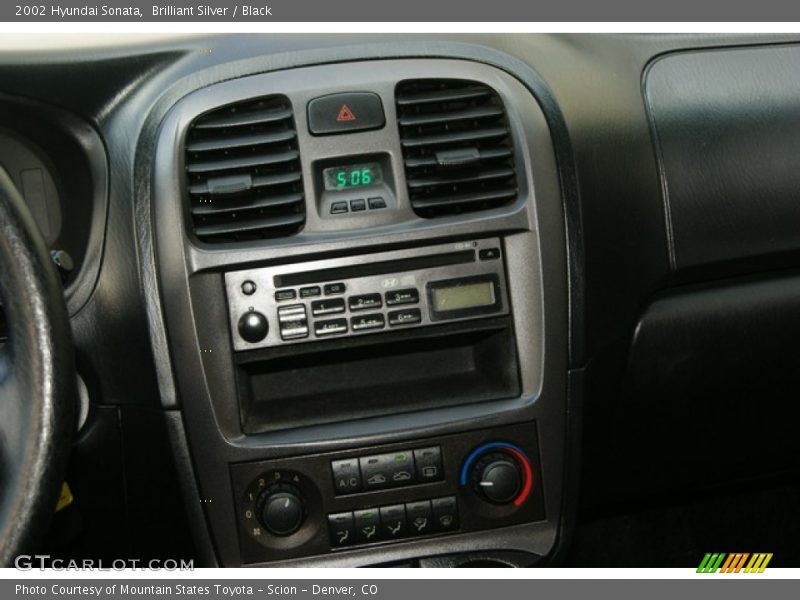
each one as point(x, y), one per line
point(463, 297)
point(352, 176)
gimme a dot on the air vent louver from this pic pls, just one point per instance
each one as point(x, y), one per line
point(243, 172)
point(456, 146)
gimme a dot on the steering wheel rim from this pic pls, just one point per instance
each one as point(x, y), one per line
point(37, 380)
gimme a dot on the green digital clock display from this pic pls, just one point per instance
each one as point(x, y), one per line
point(352, 176)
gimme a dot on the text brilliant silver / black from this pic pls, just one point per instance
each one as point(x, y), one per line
point(204, 10)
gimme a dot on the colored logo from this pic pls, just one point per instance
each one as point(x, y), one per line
point(720, 562)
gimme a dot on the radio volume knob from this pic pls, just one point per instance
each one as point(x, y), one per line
point(253, 326)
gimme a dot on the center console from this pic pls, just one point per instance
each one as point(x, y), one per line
point(362, 270)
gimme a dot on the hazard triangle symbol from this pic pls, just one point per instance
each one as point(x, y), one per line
point(345, 114)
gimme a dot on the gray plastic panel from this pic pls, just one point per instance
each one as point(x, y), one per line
point(532, 231)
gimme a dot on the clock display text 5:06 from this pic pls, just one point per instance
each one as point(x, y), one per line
point(352, 176)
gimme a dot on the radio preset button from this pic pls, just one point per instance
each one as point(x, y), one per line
point(346, 476)
point(294, 331)
point(408, 316)
point(283, 295)
point(292, 322)
point(420, 517)
point(341, 529)
point(332, 289)
point(408, 296)
point(429, 464)
point(327, 307)
point(366, 322)
point(330, 327)
point(365, 302)
point(294, 312)
point(310, 292)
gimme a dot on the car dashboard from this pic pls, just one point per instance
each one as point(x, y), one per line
point(410, 300)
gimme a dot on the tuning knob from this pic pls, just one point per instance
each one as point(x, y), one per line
point(499, 473)
point(281, 509)
point(253, 326)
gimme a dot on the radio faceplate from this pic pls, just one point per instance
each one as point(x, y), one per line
point(366, 294)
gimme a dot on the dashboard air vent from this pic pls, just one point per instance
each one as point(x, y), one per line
point(243, 172)
point(456, 146)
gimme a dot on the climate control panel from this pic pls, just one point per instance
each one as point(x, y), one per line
point(345, 500)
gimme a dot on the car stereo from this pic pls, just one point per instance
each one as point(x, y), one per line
point(366, 294)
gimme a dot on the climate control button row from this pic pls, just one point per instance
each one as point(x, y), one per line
point(381, 471)
point(395, 521)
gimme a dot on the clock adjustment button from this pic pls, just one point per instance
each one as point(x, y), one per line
point(338, 208)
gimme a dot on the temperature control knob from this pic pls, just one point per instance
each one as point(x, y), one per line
point(499, 473)
point(497, 477)
point(281, 509)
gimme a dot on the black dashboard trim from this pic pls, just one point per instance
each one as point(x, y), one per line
point(90, 144)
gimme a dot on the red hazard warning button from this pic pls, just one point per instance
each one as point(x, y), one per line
point(345, 113)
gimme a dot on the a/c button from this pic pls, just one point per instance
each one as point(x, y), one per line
point(346, 476)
